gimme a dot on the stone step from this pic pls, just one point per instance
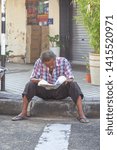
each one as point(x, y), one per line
point(41, 108)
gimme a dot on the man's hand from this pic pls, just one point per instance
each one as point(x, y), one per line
point(69, 80)
point(34, 80)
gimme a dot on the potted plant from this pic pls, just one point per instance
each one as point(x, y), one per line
point(90, 13)
point(55, 44)
point(8, 54)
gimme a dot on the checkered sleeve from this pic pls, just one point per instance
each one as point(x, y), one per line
point(68, 69)
point(36, 70)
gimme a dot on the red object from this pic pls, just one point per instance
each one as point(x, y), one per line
point(88, 77)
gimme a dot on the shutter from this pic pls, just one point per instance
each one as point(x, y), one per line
point(80, 40)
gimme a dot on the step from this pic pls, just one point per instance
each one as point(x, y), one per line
point(39, 107)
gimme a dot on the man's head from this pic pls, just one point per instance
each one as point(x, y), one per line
point(48, 58)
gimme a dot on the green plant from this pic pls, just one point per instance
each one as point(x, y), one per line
point(54, 40)
point(8, 53)
point(90, 13)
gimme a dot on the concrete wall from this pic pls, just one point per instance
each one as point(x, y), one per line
point(16, 28)
point(54, 13)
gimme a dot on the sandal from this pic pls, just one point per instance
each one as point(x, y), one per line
point(83, 120)
point(17, 118)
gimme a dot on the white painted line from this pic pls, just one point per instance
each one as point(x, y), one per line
point(54, 137)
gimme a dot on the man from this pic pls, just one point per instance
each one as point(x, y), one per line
point(49, 67)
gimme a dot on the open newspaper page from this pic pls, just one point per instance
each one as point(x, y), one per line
point(49, 86)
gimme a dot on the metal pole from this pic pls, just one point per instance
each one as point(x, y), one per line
point(3, 40)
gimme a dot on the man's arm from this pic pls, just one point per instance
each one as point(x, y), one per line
point(35, 76)
point(68, 70)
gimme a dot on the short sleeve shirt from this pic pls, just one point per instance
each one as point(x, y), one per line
point(62, 68)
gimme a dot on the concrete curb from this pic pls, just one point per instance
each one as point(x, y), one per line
point(38, 107)
point(10, 107)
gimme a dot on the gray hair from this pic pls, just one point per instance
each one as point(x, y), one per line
point(47, 55)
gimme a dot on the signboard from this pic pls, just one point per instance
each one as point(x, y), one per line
point(50, 21)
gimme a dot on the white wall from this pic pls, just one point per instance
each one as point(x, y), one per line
point(16, 26)
point(54, 13)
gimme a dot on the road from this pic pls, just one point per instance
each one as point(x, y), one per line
point(49, 134)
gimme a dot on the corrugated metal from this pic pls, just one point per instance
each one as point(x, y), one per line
point(80, 40)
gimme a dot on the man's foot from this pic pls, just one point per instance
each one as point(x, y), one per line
point(19, 117)
point(83, 120)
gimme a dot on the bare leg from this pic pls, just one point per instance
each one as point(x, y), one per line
point(23, 113)
point(24, 107)
point(82, 117)
point(79, 107)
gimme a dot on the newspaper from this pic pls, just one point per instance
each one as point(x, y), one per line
point(49, 86)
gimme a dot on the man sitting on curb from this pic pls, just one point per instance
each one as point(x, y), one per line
point(50, 68)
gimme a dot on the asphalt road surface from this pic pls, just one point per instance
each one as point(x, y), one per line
point(49, 134)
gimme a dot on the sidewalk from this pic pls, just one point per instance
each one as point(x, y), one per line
point(18, 75)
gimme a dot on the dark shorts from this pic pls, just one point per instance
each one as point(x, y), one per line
point(71, 89)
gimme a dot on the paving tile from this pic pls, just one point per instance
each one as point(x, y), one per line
point(18, 75)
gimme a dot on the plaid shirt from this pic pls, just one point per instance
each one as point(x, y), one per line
point(62, 68)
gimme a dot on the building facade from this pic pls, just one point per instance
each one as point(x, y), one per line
point(51, 17)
